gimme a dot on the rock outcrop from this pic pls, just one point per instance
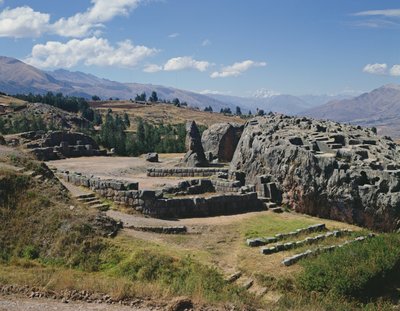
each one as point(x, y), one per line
point(325, 168)
point(194, 156)
point(220, 141)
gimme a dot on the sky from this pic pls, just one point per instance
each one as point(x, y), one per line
point(234, 47)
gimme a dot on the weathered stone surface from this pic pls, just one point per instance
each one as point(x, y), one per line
point(195, 156)
point(152, 157)
point(220, 141)
point(352, 177)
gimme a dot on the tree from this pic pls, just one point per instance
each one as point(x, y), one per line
point(176, 102)
point(142, 97)
point(96, 98)
point(238, 111)
point(153, 98)
point(126, 120)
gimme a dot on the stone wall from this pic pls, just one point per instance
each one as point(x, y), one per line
point(152, 203)
point(184, 172)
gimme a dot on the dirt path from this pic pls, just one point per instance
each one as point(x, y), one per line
point(11, 303)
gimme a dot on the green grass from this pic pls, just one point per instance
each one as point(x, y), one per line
point(272, 224)
point(358, 270)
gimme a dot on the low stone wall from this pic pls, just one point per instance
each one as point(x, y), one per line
point(55, 153)
point(184, 172)
point(163, 230)
point(295, 258)
point(152, 203)
point(307, 241)
point(280, 236)
point(219, 204)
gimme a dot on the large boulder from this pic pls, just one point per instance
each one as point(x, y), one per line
point(325, 169)
point(55, 138)
point(194, 156)
point(220, 141)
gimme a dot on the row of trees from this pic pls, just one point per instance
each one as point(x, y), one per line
point(148, 137)
point(25, 123)
point(67, 103)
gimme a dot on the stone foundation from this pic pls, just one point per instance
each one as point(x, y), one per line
point(184, 172)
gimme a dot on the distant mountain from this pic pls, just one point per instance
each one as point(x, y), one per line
point(282, 103)
point(18, 77)
point(379, 108)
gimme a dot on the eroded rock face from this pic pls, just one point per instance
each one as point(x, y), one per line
point(220, 141)
point(194, 156)
point(325, 169)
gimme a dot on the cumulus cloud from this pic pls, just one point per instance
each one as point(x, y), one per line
point(386, 13)
point(236, 69)
point(89, 51)
point(395, 70)
point(377, 69)
point(151, 68)
point(185, 62)
point(23, 22)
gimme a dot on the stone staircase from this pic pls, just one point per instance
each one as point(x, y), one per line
point(91, 200)
point(247, 283)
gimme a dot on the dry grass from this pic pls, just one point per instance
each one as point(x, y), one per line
point(163, 113)
point(7, 100)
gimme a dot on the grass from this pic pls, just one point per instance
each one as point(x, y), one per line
point(163, 113)
point(358, 270)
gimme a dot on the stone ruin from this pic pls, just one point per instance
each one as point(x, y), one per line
point(323, 168)
point(195, 156)
point(220, 141)
point(55, 145)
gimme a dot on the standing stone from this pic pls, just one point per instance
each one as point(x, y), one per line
point(220, 140)
point(194, 156)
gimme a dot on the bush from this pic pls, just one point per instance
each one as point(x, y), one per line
point(358, 270)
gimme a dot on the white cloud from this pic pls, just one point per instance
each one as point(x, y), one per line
point(236, 69)
point(23, 22)
point(395, 70)
point(386, 13)
point(81, 24)
point(185, 62)
point(377, 69)
point(173, 35)
point(206, 42)
point(89, 51)
point(212, 92)
point(151, 68)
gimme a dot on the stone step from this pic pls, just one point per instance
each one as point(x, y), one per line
point(93, 202)
point(101, 207)
point(233, 277)
point(271, 205)
point(249, 283)
point(87, 199)
point(276, 209)
point(86, 195)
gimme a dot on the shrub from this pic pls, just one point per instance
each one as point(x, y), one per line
point(358, 270)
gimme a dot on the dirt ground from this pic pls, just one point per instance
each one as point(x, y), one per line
point(11, 303)
point(123, 168)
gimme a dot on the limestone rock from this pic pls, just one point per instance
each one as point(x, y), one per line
point(195, 156)
point(325, 168)
point(220, 141)
point(152, 157)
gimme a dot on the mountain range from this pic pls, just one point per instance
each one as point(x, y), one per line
point(18, 77)
point(379, 108)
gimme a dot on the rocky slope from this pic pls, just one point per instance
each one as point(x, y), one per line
point(379, 108)
point(324, 168)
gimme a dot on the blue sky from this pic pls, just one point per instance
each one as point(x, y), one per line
point(230, 46)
